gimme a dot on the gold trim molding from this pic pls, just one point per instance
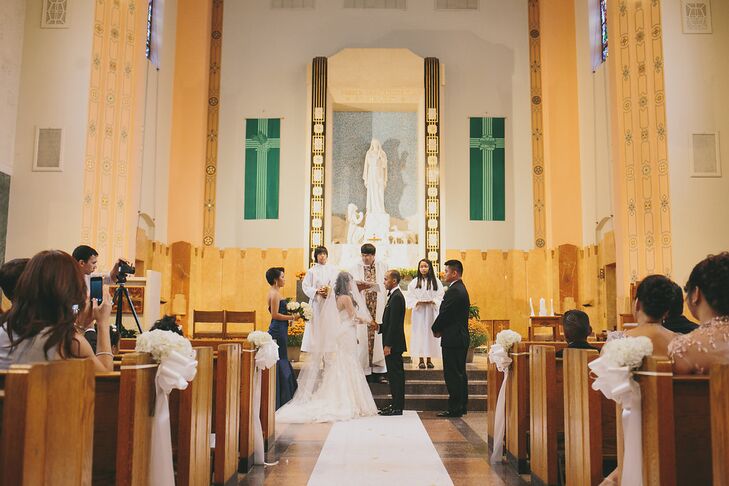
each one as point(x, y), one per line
point(211, 148)
point(318, 153)
point(538, 169)
point(432, 161)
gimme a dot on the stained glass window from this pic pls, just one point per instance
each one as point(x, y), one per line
point(603, 29)
point(149, 29)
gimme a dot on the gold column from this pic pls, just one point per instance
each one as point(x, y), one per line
point(538, 184)
point(432, 156)
point(643, 228)
point(211, 147)
point(113, 133)
point(318, 153)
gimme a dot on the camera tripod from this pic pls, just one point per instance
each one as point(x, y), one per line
point(121, 292)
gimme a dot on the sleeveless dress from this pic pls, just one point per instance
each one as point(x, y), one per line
point(338, 389)
point(27, 351)
point(285, 379)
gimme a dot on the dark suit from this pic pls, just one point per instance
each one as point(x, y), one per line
point(393, 335)
point(680, 324)
point(452, 324)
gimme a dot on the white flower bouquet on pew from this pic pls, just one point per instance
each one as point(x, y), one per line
point(177, 367)
point(160, 344)
point(507, 338)
point(627, 352)
point(614, 371)
point(499, 355)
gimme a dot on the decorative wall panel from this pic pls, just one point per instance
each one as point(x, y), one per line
point(538, 169)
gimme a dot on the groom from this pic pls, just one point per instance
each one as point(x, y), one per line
point(451, 326)
point(393, 341)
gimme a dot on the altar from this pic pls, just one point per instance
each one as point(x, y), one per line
point(375, 157)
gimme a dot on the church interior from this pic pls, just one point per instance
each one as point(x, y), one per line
point(565, 152)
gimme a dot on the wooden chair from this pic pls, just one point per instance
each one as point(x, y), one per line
point(47, 433)
point(191, 423)
point(227, 414)
point(244, 322)
point(208, 318)
point(589, 422)
point(546, 403)
point(123, 422)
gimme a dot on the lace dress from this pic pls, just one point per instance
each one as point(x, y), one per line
point(334, 387)
point(697, 351)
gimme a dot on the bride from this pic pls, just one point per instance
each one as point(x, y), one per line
point(332, 385)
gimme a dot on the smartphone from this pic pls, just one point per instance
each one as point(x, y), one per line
point(96, 289)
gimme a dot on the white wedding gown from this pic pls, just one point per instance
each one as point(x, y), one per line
point(331, 386)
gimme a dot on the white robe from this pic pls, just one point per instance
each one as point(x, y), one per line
point(378, 356)
point(316, 277)
point(422, 342)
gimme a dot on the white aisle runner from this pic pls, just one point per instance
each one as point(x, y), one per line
point(380, 451)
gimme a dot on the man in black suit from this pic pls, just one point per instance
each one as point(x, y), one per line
point(393, 342)
point(451, 326)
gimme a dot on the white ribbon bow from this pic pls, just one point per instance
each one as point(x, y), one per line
point(618, 384)
point(174, 372)
point(500, 357)
point(266, 358)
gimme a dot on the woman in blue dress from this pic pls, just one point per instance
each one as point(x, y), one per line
point(279, 330)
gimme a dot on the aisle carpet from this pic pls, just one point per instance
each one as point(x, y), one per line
point(379, 451)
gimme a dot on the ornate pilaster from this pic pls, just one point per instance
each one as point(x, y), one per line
point(432, 158)
point(211, 147)
point(318, 153)
point(538, 180)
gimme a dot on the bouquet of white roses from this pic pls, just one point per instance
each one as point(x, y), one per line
point(161, 343)
point(507, 338)
point(627, 352)
point(301, 310)
point(259, 338)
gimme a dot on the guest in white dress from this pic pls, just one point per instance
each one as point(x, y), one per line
point(424, 296)
point(316, 285)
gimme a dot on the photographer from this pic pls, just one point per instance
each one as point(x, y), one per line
point(87, 259)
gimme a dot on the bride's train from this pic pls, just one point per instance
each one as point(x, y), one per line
point(332, 385)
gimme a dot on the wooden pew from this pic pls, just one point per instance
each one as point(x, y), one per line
point(268, 406)
point(517, 408)
point(494, 379)
point(245, 441)
point(47, 433)
point(589, 422)
point(677, 426)
point(720, 424)
point(191, 423)
point(546, 414)
point(227, 414)
point(123, 422)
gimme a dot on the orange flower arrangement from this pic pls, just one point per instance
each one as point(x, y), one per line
point(296, 332)
point(300, 275)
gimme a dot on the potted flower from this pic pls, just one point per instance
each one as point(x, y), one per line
point(406, 276)
point(296, 335)
point(477, 331)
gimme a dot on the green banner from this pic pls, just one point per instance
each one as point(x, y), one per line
point(487, 155)
point(263, 156)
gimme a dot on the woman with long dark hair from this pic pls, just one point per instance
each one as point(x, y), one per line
point(424, 296)
point(42, 323)
point(707, 296)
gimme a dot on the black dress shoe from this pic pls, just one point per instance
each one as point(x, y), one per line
point(386, 408)
point(464, 412)
point(389, 413)
point(382, 380)
point(449, 414)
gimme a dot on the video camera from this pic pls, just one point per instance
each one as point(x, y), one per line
point(124, 270)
